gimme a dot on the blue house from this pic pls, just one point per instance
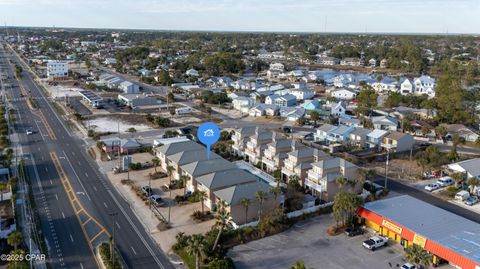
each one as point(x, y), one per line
point(312, 105)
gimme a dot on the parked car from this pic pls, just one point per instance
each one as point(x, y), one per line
point(428, 175)
point(462, 195)
point(445, 181)
point(156, 200)
point(471, 200)
point(375, 242)
point(432, 186)
point(408, 266)
point(29, 131)
point(353, 231)
point(147, 190)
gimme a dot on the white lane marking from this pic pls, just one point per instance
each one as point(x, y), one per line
point(94, 188)
point(51, 182)
point(133, 250)
point(76, 175)
point(63, 215)
point(118, 225)
point(81, 265)
point(105, 204)
point(40, 131)
point(46, 169)
point(150, 250)
point(56, 197)
point(71, 237)
point(86, 174)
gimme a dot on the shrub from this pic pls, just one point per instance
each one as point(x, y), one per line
point(104, 250)
point(221, 263)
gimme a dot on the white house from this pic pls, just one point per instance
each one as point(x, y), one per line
point(338, 109)
point(128, 87)
point(57, 69)
point(302, 93)
point(343, 94)
point(277, 66)
point(470, 168)
point(372, 62)
point(286, 100)
point(424, 85)
point(406, 87)
point(192, 73)
point(385, 123)
point(243, 103)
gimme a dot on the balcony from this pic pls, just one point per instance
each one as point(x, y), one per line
point(313, 175)
point(314, 186)
point(289, 164)
point(269, 162)
point(270, 154)
point(388, 146)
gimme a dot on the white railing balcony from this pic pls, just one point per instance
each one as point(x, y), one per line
point(314, 185)
point(313, 175)
point(269, 162)
point(388, 146)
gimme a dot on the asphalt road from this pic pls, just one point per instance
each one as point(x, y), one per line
point(65, 242)
point(93, 190)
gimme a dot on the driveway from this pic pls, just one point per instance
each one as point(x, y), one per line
point(308, 241)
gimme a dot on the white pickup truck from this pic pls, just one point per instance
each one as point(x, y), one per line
point(375, 242)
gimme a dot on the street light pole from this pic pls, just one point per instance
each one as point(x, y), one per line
point(112, 245)
point(386, 168)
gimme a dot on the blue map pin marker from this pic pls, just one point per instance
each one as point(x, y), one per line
point(208, 133)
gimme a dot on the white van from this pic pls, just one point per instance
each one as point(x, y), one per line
point(462, 195)
point(445, 181)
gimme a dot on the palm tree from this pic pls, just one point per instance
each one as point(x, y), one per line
point(416, 255)
point(457, 177)
point(184, 180)
point(472, 182)
point(298, 265)
point(196, 247)
point(366, 174)
point(275, 191)
point(15, 239)
point(341, 181)
point(223, 216)
point(156, 162)
point(245, 202)
point(170, 170)
point(203, 196)
point(261, 196)
point(3, 188)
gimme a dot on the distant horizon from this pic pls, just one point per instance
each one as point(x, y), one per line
point(286, 16)
point(232, 31)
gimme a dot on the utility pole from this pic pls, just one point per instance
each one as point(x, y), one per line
point(112, 245)
point(386, 168)
point(170, 203)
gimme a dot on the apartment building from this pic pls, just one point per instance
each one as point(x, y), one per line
point(240, 138)
point(322, 178)
point(256, 144)
point(276, 152)
point(298, 162)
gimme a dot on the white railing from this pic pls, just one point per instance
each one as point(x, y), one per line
point(309, 210)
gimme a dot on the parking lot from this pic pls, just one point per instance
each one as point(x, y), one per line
point(308, 241)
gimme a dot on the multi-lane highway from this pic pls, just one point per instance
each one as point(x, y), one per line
point(75, 200)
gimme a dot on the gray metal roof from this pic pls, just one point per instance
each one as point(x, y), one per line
point(191, 156)
point(175, 148)
point(226, 178)
point(447, 229)
point(334, 162)
point(200, 168)
point(471, 166)
point(233, 195)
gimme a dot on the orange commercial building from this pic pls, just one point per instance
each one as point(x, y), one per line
point(448, 237)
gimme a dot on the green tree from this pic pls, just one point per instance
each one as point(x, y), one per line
point(170, 170)
point(276, 191)
point(156, 162)
point(15, 239)
point(458, 178)
point(18, 264)
point(418, 256)
point(261, 197)
point(203, 196)
point(223, 216)
point(184, 180)
point(441, 131)
point(298, 265)
point(472, 183)
point(245, 202)
point(315, 116)
point(3, 188)
point(344, 206)
point(196, 247)
point(366, 174)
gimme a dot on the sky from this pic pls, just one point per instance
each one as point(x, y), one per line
point(371, 16)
